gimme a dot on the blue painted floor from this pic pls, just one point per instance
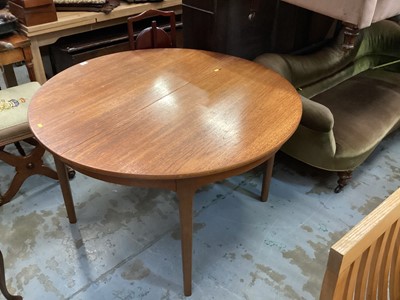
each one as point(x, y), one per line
point(126, 242)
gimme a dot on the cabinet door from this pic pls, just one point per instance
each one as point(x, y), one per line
point(238, 27)
point(199, 26)
point(246, 26)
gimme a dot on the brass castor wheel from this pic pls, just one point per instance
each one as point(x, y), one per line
point(344, 178)
point(71, 173)
point(339, 188)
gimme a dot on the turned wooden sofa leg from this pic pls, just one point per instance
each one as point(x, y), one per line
point(344, 178)
point(350, 35)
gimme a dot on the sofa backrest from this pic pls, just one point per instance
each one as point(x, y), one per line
point(316, 72)
point(361, 13)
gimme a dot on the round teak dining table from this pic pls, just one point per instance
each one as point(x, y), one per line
point(165, 118)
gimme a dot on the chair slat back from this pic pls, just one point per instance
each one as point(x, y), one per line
point(153, 36)
point(365, 263)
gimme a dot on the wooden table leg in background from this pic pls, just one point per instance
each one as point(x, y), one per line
point(9, 76)
point(185, 191)
point(65, 189)
point(37, 61)
point(29, 64)
point(267, 175)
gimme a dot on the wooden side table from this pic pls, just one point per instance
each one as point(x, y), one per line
point(19, 51)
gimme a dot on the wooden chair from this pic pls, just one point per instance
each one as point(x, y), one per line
point(152, 37)
point(365, 263)
point(14, 128)
point(3, 287)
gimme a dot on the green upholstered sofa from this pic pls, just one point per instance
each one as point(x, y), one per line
point(351, 99)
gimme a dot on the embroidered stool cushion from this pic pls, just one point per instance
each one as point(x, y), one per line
point(14, 104)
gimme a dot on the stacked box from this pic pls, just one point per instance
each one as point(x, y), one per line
point(33, 12)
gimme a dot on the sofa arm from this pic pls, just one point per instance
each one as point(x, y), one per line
point(275, 62)
point(316, 116)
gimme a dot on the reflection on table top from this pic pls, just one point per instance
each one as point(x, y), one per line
point(164, 113)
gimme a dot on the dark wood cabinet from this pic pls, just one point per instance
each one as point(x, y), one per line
point(239, 27)
point(247, 28)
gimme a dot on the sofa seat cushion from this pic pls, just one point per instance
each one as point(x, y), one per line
point(366, 108)
point(14, 104)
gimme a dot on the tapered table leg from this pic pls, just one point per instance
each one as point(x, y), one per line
point(267, 175)
point(65, 189)
point(185, 193)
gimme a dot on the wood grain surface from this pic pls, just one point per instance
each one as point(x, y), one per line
point(164, 113)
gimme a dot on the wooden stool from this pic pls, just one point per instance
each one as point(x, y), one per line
point(15, 48)
point(14, 127)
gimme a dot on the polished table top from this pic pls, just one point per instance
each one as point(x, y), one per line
point(165, 118)
point(164, 113)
